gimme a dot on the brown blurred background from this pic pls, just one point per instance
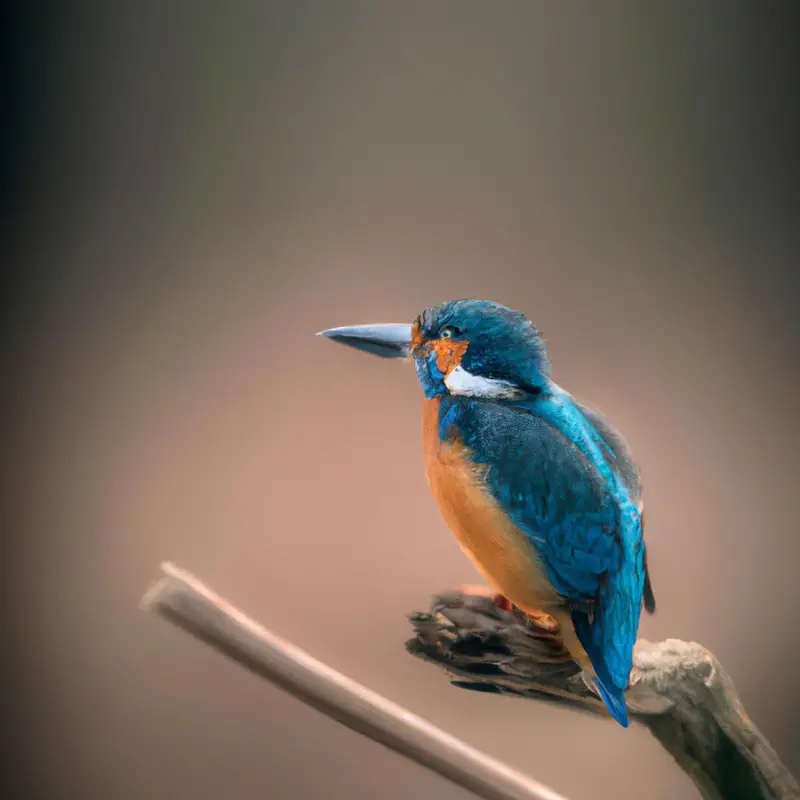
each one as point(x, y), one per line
point(199, 187)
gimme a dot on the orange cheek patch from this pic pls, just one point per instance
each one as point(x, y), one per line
point(449, 354)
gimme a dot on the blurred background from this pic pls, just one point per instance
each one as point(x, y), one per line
point(194, 189)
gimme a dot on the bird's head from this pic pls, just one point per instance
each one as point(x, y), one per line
point(475, 348)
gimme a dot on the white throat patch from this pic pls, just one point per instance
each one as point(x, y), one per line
point(459, 381)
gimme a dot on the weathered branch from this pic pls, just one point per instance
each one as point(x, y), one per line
point(184, 601)
point(678, 690)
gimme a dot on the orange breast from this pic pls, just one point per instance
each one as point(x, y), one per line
point(499, 550)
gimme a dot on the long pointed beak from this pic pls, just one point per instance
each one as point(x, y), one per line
point(387, 339)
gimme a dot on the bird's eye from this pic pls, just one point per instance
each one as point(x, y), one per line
point(448, 333)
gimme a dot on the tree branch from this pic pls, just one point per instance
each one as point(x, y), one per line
point(678, 690)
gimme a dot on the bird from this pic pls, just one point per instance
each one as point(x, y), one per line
point(542, 493)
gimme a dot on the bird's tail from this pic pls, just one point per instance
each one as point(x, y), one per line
point(610, 649)
point(614, 698)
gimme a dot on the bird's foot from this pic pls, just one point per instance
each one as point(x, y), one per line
point(485, 591)
point(541, 619)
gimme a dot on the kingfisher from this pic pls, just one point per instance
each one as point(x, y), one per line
point(541, 491)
